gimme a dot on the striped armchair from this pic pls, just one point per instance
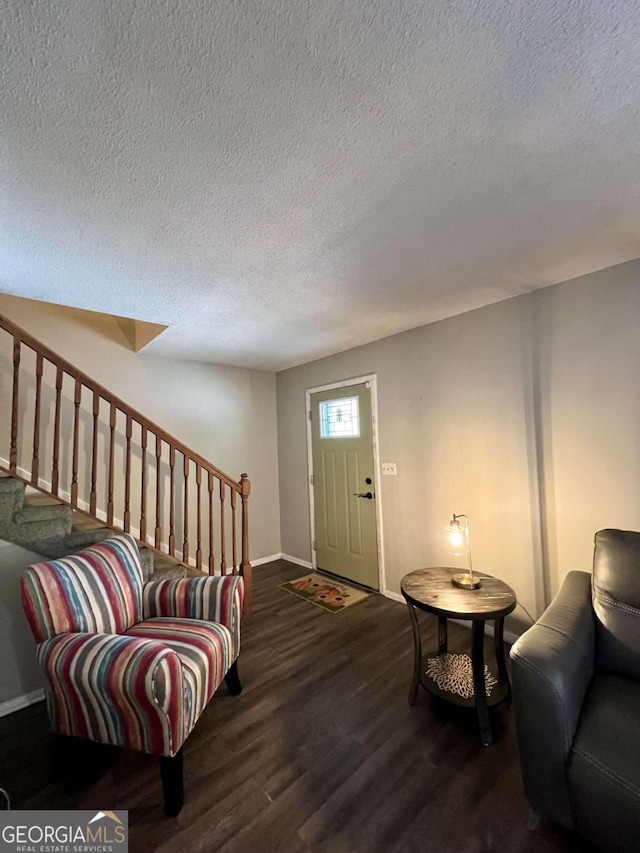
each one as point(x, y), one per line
point(131, 663)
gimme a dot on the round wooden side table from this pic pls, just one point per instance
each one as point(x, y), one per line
point(446, 675)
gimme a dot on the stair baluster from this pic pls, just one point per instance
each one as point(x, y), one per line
point(13, 452)
point(77, 397)
point(198, 518)
point(172, 501)
point(35, 460)
point(143, 484)
point(223, 562)
point(66, 456)
point(94, 454)
point(55, 472)
point(127, 478)
point(112, 435)
point(158, 532)
point(212, 559)
point(185, 520)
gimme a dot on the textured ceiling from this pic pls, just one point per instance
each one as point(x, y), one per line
point(284, 179)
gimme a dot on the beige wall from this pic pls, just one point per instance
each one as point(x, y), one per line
point(19, 672)
point(226, 414)
point(525, 415)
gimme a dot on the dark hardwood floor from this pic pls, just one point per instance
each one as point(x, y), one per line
point(321, 752)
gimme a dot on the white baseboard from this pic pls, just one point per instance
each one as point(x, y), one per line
point(22, 472)
point(304, 563)
point(20, 702)
point(394, 596)
point(262, 560)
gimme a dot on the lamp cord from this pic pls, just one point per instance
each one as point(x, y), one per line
point(6, 796)
point(533, 621)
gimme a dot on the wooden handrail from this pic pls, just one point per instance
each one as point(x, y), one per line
point(83, 484)
point(84, 379)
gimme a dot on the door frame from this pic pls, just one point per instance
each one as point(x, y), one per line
point(372, 379)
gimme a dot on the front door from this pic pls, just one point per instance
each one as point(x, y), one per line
point(344, 486)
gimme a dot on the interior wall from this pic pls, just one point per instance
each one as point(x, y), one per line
point(226, 414)
point(19, 671)
point(525, 415)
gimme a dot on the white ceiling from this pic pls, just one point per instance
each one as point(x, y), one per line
point(284, 179)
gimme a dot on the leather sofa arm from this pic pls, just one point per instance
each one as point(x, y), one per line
point(553, 663)
point(215, 599)
point(111, 688)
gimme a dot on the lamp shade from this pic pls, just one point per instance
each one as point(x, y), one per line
point(457, 541)
point(456, 537)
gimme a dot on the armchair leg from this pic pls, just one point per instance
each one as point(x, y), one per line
point(171, 772)
point(232, 679)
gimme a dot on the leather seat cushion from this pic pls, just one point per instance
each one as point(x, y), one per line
point(205, 650)
point(604, 768)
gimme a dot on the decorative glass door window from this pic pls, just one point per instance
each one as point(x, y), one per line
point(340, 418)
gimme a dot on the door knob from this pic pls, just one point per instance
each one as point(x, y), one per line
point(366, 495)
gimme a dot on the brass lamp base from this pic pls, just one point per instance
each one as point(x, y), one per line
point(466, 581)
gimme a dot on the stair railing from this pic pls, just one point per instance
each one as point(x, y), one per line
point(113, 463)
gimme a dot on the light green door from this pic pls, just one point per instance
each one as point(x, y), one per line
point(344, 486)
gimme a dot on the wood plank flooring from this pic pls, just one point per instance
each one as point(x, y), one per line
point(321, 752)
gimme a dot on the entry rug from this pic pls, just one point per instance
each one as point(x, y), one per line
point(327, 593)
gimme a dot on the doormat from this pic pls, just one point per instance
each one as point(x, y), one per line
point(327, 593)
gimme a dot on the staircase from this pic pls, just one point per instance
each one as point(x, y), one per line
point(39, 523)
point(78, 463)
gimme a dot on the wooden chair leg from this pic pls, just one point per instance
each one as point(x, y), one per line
point(232, 679)
point(171, 771)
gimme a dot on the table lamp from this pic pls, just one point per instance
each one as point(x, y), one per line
point(456, 537)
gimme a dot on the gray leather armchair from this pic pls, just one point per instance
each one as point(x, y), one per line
point(576, 694)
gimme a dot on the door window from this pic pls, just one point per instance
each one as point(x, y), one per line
point(340, 418)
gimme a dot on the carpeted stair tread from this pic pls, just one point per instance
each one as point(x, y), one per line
point(165, 566)
point(33, 498)
point(169, 572)
point(11, 485)
point(11, 496)
point(35, 513)
point(78, 539)
point(82, 523)
point(164, 560)
point(146, 561)
point(56, 547)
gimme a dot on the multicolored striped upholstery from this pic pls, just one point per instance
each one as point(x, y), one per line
point(115, 689)
point(114, 678)
point(217, 599)
point(206, 651)
point(96, 591)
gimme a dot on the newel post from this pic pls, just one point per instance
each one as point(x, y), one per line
point(245, 566)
